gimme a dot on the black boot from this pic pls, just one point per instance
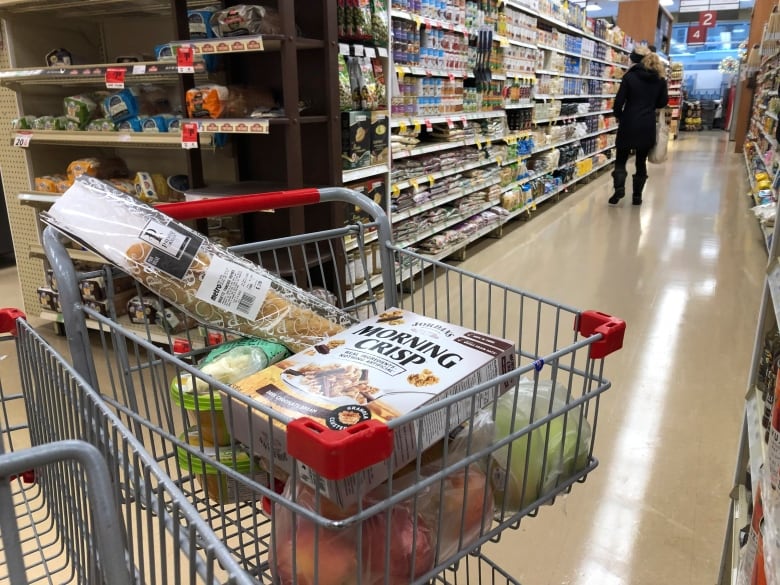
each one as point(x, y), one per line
point(639, 185)
point(619, 184)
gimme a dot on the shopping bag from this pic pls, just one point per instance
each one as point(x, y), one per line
point(658, 152)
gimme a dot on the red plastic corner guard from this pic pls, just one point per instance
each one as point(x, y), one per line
point(611, 328)
point(338, 454)
point(8, 319)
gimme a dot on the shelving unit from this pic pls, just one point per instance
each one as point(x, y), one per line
point(527, 50)
point(674, 108)
point(754, 465)
point(296, 67)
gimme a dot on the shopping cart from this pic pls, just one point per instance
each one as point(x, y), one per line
point(80, 500)
point(415, 527)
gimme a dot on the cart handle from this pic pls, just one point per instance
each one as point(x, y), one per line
point(239, 204)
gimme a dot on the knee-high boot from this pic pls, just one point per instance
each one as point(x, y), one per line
point(639, 185)
point(619, 184)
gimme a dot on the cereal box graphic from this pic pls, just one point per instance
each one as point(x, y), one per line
point(383, 368)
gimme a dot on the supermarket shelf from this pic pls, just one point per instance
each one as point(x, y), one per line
point(442, 200)
point(429, 22)
point(109, 139)
point(520, 182)
point(443, 174)
point(449, 223)
point(506, 41)
point(427, 72)
point(574, 75)
point(450, 250)
point(36, 251)
point(243, 126)
point(518, 106)
point(154, 333)
point(146, 72)
point(570, 140)
point(457, 117)
point(95, 8)
point(581, 56)
point(364, 173)
point(562, 118)
point(440, 146)
point(38, 199)
point(244, 44)
point(773, 282)
point(740, 517)
point(561, 25)
point(547, 96)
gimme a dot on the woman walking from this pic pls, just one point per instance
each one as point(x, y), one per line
point(642, 91)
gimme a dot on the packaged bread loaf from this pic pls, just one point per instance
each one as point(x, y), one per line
point(185, 269)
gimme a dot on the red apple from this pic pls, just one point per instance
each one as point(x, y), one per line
point(409, 544)
point(335, 560)
point(467, 510)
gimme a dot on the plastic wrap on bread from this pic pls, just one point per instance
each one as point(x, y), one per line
point(213, 285)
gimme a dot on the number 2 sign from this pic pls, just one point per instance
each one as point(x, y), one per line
point(696, 35)
point(708, 19)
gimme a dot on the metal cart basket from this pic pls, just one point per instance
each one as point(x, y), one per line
point(421, 523)
point(81, 501)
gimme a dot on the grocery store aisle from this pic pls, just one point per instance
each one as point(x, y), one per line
point(685, 272)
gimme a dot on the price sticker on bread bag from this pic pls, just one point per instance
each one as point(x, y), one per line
point(185, 59)
point(115, 78)
point(189, 135)
point(233, 288)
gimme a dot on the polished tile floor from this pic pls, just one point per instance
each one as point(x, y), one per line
point(685, 272)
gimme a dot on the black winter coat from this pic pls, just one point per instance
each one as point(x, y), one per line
point(641, 92)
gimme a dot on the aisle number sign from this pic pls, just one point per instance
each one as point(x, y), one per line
point(708, 19)
point(696, 35)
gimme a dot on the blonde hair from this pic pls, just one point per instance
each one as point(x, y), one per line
point(651, 61)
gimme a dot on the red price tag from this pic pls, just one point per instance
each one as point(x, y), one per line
point(189, 135)
point(428, 23)
point(428, 126)
point(465, 122)
point(452, 76)
point(185, 59)
point(450, 123)
point(115, 78)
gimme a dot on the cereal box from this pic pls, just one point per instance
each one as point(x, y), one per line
point(383, 368)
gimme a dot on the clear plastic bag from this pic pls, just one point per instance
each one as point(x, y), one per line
point(458, 509)
point(540, 459)
point(204, 280)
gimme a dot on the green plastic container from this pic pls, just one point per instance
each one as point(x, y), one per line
point(204, 412)
point(218, 486)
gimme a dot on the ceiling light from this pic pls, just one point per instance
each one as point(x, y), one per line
point(667, 2)
point(592, 8)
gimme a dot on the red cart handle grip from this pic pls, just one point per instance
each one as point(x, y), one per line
point(612, 330)
point(239, 204)
point(8, 319)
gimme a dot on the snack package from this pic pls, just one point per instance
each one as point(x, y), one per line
point(184, 268)
point(166, 52)
point(102, 125)
point(157, 123)
point(81, 109)
point(145, 188)
point(368, 90)
point(130, 125)
point(200, 28)
point(243, 19)
point(44, 123)
point(121, 106)
point(234, 360)
point(48, 184)
point(57, 57)
point(431, 522)
point(124, 185)
point(533, 470)
point(23, 123)
point(207, 101)
point(379, 22)
point(345, 88)
point(102, 168)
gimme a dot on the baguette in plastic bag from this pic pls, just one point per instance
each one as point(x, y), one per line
point(190, 272)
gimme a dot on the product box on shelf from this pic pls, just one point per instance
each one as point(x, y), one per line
point(49, 299)
point(118, 303)
point(380, 369)
point(96, 288)
point(379, 137)
point(355, 139)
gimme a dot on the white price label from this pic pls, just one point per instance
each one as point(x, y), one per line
point(344, 49)
point(22, 139)
point(359, 50)
point(371, 52)
point(233, 288)
point(139, 69)
point(382, 52)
